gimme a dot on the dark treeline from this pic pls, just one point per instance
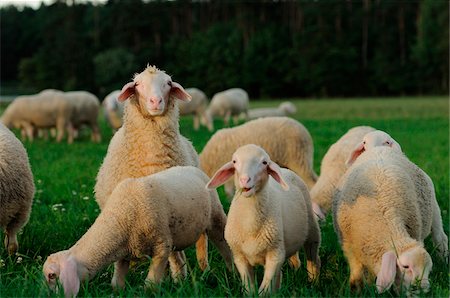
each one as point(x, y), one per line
point(303, 48)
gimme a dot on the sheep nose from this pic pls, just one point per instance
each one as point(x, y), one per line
point(155, 100)
point(244, 180)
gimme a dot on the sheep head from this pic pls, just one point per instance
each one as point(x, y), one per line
point(62, 266)
point(153, 89)
point(251, 167)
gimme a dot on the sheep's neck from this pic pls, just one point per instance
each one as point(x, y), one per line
point(104, 243)
point(258, 205)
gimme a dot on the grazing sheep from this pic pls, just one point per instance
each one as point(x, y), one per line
point(197, 107)
point(333, 167)
point(151, 215)
point(113, 110)
point(149, 140)
point(286, 140)
point(384, 208)
point(85, 111)
point(231, 102)
point(267, 223)
point(16, 187)
point(47, 109)
point(284, 109)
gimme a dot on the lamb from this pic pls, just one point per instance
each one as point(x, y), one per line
point(286, 140)
point(16, 187)
point(152, 216)
point(267, 223)
point(113, 110)
point(284, 109)
point(333, 167)
point(149, 140)
point(384, 208)
point(231, 102)
point(46, 109)
point(85, 111)
point(197, 107)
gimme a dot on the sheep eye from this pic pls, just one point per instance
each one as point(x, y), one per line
point(234, 161)
point(169, 83)
point(405, 266)
point(364, 142)
point(51, 276)
point(264, 162)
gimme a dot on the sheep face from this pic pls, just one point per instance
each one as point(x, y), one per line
point(153, 89)
point(251, 167)
point(288, 107)
point(410, 270)
point(61, 266)
point(371, 140)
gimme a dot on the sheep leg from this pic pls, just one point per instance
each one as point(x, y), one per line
point(246, 272)
point(356, 268)
point(29, 130)
point(440, 240)
point(312, 249)
point(294, 261)
point(274, 261)
point(196, 122)
point(177, 262)
point(236, 119)
point(158, 266)
point(201, 249)
point(12, 228)
point(216, 233)
point(120, 271)
point(278, 279)
point(226, 118)
point(95, 136)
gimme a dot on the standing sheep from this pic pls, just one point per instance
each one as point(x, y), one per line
point(113, 110)
point(284, 109)
point(384, 208)
point(267, 223)
point(85, 111)
point(147, 216)
point(149, 140)
point(231, 102)
point(16, 187)
point(286, 140)
point(197, 107)
point(333, 167)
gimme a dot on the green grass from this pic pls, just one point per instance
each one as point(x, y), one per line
point(66, 174)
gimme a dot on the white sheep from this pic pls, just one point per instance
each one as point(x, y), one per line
point(113, 110)
point(267, 223)
point(147, 216)
point(47, 109)
point(287, 141)
point(284, 109)
point(85, 111)
point(231, 102)
point(333, 167)
point(149, 140)
point(16, 187)
point(197, 107)
point(384, 208)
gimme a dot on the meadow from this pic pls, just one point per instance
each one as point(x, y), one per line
point(64, 206)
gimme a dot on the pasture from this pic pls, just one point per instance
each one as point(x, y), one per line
point(64, 206)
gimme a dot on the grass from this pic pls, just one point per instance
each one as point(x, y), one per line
point(64, 206)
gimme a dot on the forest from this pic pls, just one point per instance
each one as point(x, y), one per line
point(270, 48)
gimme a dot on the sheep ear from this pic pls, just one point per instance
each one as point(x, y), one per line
point(221, 176)
point(318, 211)
point(69, 277)
point(386, 275)
point(395, 145)
point(179, 92)
point(274, 170)
point(359, 149)
point(127, 91)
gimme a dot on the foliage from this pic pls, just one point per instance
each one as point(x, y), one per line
point(287, 48)
point(64, 206)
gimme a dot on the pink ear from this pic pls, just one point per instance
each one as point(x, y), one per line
point(386, 275)
point(274, 170)
point(359, 149)
point(127, 91)
point(221, 176)
point(69, 277)
point(179, 92)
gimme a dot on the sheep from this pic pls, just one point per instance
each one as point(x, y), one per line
point(85, 111)
point(284, 109)
point(267, 223)
point(150, 215)
point(16, 187)
point(286, 140)
point(46, 109)
point(113, 110)
point(231, 102)
point(383, 209)
point(197, 107)
point(149, 140)
point(333, 167)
